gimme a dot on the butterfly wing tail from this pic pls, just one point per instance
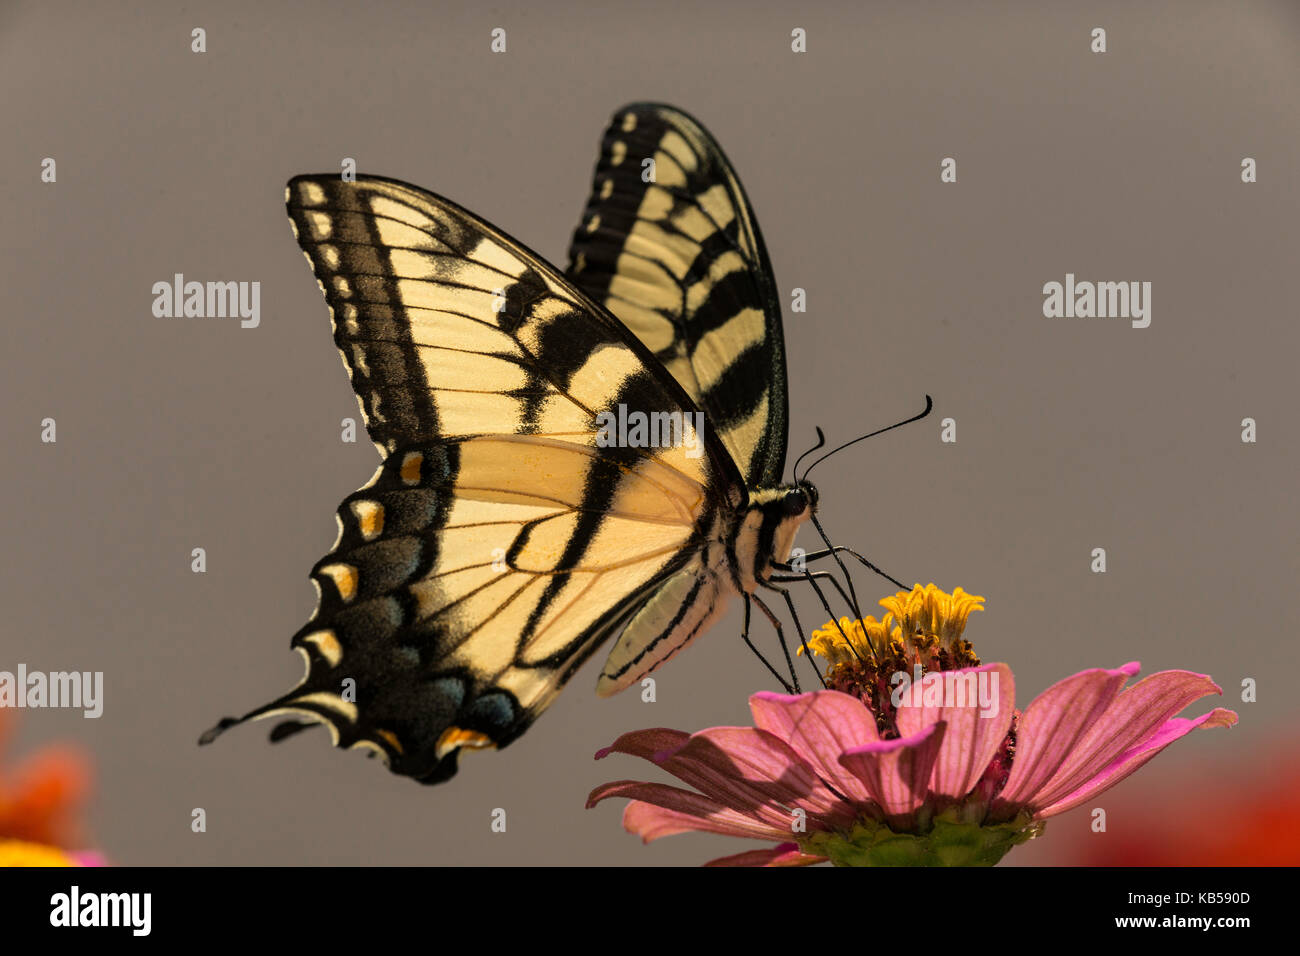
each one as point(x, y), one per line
point(452, 717)
point(280, 732)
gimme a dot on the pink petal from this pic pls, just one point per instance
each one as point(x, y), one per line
point(820, 726)
point(897, 771)
point(1131, 760)
point(743, 767)
point(972, 738)
point(1052, 726)
point(658, 810)
point(645, 743)
point(787, 854)
point(1138, 712)
point(747, 770)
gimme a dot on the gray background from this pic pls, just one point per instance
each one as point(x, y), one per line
point(1072, 434)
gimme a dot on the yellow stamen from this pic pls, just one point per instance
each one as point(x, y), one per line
point(925, 619)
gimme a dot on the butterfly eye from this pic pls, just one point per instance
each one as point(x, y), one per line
point(813, 496)
point(795, 503)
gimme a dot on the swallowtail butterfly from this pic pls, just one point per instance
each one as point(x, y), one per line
point(567, 457)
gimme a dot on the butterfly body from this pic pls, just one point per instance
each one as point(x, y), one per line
point(764, 534)
point(503, 539)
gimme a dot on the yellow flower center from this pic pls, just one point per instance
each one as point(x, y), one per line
point(922, 628)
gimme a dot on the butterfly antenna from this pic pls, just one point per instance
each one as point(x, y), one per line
point(929, 404)
point(821, 441)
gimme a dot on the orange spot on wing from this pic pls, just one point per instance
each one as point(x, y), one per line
point(370, 518)
point(454, 737)
point(411, 465)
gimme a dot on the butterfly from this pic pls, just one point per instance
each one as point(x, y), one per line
point(567, 458)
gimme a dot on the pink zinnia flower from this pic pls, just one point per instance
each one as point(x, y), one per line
point(943, 771)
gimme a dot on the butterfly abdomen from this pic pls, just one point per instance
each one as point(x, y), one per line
point(741, 546)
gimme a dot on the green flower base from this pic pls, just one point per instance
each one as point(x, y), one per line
point(949, 842)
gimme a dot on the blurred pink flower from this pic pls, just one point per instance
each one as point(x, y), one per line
point(948, 782)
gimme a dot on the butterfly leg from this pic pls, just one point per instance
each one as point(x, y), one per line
point(744, 634)
point(827, 552)
point(833, 553)
point(812, 577)
point(836, 549)
point(780, 635)
point(780, 632)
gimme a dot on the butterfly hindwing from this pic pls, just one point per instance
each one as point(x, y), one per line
point(682, 608)
point(669, 244)
point(455, 602)
point(501, 541)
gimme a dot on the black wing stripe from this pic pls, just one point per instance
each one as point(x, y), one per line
point(679, 259)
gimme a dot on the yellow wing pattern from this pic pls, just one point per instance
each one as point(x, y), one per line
point(501, 540)
point(670, 245)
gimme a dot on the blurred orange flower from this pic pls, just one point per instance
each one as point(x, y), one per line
point(1243, 817)
point(42, 798)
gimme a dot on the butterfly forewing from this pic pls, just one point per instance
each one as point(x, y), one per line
point(669, 244)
